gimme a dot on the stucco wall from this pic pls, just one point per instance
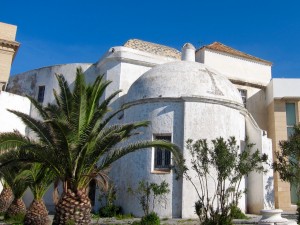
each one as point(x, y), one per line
point(9, 121)
point(256, 104)
point(260, 194)
point(166, 118)
point(183, 120)
point(280, 88)
point(208, 121)
point(235, 67)
point(124, 65)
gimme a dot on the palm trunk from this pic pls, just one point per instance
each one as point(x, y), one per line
point(37, 214)
point(6, 198)
point(16, 209)
point(74, 208)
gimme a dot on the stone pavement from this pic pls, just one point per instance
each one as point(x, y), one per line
point(253, 219)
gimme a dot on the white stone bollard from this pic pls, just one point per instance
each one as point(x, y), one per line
point(273, 217)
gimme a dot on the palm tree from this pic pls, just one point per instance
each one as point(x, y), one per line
point(75, 138)
point(6, 197)
point(18, 186)
point(39, 178)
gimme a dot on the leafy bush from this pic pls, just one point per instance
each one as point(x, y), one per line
point(217, 219)
point(17, 219)
point(110, 211)
point(230, 165)
point(150, 219)
point(287, 164)
point(236, 213)
point(136, 223)
point(124, 216)
point(150, 192)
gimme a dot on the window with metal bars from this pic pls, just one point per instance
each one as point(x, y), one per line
point(41, 94)
point(162, 157)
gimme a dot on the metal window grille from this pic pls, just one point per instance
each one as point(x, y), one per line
point(162, 157)
point(41, 94)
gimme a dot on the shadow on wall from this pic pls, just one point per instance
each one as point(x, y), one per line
point(269, 196)
point(256, 105)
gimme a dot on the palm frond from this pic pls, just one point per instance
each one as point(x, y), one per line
point(64, 99)
point(79, 109)
point(108, 138)
point(117, 153)
point(39, 128)
point(39, 107)
point(11, 140)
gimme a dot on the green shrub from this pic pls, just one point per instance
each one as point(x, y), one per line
point(110, 211)
point(236, 213)
point(150, 219)
point(218, 219)
point(124, 216)
point(17, 219)
point(136, 223)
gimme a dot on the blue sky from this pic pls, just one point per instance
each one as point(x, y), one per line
point(63, 31)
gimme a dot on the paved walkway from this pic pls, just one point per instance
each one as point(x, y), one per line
point(253, 219)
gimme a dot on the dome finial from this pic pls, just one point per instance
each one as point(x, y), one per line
point(188, 52)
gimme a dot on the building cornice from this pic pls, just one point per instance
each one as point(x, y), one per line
point(249, 84)
point(134, 56)
point(10, 46)
point(224, 102)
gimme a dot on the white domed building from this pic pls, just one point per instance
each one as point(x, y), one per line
point(183, 100)
point(214, 92)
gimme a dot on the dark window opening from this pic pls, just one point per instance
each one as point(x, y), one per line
point(92, 192)
point(243, 93)
point(162, 157)
point(41, 94)
point(2, 86)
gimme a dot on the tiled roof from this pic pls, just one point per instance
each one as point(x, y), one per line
point(217, 46)
point(153, 48)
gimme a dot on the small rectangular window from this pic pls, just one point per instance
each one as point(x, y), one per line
point(290, 109)
point(243, 93)
point(41, 94)
point(162, 157)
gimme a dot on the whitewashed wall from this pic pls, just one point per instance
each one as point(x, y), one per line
point(260, 194)
point(208, 121)
point(283, 88)
point(166, 118)
point(8, 121)
point(236, 68)
point(256, 104)
point(124, 66)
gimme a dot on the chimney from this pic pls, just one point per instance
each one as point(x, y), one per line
point(188, 52)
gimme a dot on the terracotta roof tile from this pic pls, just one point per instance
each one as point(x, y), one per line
point(153, 48)
point(217, 46)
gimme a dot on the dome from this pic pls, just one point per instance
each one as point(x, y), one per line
point(183, 79)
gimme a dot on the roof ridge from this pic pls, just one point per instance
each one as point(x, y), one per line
point(153, 48)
